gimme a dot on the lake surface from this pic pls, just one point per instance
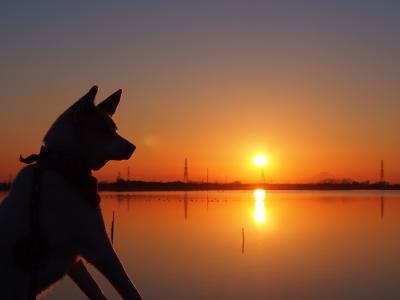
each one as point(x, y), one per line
point(296, 245)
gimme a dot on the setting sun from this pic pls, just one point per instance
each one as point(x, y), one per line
point(259, 160)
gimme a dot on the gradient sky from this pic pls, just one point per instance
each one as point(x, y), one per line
point(313, 85)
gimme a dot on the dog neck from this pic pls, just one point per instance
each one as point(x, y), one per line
point(76, 171)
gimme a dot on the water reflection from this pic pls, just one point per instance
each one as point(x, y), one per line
point(185, 204)
point(333, 247)
point(259, 206)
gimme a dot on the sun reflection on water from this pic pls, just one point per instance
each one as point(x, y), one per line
point(259, 206)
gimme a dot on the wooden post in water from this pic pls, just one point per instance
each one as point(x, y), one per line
point(112, 228)
point(242, 240)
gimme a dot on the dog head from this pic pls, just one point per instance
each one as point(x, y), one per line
point(88, 131)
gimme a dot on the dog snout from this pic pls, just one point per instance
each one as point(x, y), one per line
point(130, 148)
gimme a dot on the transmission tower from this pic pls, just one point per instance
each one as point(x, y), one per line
point(382, 172)
point(185, 172)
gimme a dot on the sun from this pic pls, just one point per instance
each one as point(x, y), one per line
point(259, 160)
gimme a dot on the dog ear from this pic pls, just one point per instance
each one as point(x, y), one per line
point(110, 104)
point(85, 105)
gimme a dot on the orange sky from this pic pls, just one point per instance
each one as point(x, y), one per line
point(217, 86)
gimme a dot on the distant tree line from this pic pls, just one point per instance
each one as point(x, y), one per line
point(341, 184)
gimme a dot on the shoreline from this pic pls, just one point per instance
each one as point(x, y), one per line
point(145, 186)
point(195, 186)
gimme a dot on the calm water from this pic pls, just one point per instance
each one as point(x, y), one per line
point(297, 245)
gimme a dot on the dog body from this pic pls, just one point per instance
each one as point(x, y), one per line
point(71, 226)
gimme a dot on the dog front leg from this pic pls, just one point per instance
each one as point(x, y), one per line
point(82, 278)
point(107, 262)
